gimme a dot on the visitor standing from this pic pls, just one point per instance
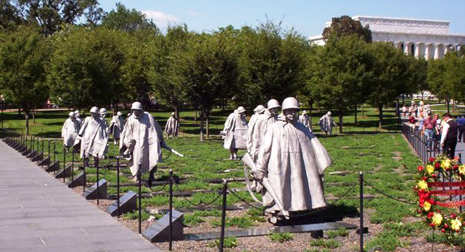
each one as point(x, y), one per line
point(449, 135)
point(461, 125)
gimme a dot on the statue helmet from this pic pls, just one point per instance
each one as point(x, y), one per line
point(103, 111)
point(76, 112)
point(71, 114)
point(136, 106)
point(290, 103)
point(329, 113)
point(119, 113)
point(273, 103)
point(240, 109)
point(260, 109)
point(304, 112)
point(94, 110)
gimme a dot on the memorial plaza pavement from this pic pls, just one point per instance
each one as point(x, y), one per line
point(39, 213)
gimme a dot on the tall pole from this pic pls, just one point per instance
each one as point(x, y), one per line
point(139, 178)
point(361, 211)
point(97, 166)
point(223, 214)
point(171, 212)
point(117, 185)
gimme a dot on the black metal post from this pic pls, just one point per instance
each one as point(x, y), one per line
point(139, 178)
point(97, 167)
point(64, 164)
point(223, 214)
point(54, 151)
point(85, 179)
point(49, 150)
point(117, 185)
point(171, 211)
point(361, 211)
point(43, 157)
point(72, 164)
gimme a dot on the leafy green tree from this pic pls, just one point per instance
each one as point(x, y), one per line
point(127, 20)
point(340, 76)
point(272, 64)
point(344, 26)
point(85, 69)
point(23, 54)
point(9, 16)
point(211, 69)
point(168, 57)
point(51, 16)
point(390, 75)
point(454, 76)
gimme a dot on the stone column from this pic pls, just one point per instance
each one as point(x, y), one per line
point(427, 51)
point(406, 48)
point(418, 47)
point(436, 51)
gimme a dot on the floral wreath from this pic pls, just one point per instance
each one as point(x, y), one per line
point(441, 177)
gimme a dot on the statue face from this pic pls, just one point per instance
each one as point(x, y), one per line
point(291, 114)
point(95, 115)
point(273, 111)
point(137, 113)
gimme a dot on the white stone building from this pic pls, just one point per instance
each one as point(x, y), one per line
point(423, 38)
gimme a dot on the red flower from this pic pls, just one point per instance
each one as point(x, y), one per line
point(431, 159)
point(430, 215)
point(443, 230)
point(446, 226)
point(432, 225)
point(420, 168)
point(453, 216)
point(456, 167)
point(456, 158)
point(437, 165)
point(434, 175)
point(425, 178)
point(438, 211)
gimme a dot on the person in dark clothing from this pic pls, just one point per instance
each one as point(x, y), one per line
point(449, 136)
point(461, 125)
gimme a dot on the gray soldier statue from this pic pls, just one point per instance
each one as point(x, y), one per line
point(293, 161)
point(235, 129)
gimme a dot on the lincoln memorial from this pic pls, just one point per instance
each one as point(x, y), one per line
point(429, 39)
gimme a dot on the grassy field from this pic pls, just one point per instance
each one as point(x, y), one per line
point(383, 156)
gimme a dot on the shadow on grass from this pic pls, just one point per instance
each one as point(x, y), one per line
point(331, 213)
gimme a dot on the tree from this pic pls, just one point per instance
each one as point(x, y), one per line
point(23, 54)
point(210, 70)
point(168, 57)
point(341, 74)
point(344, 26)
point(272, 64)
point(9, 16)
point(127, 20)
point(454, 76)
point(390, 75)
point(85, 69)
point(51, 16)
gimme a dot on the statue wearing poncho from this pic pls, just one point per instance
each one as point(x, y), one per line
point(293, 160)
point(93, 136)
point(142, 139)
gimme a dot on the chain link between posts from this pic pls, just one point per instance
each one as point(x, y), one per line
point(386, 194)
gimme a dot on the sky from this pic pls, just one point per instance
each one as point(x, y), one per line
point(307, 17)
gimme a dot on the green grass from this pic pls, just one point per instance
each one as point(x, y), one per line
point(335, 233)
point(229, 242)
point(383, 156)
point(281, 237)
point(325, 243)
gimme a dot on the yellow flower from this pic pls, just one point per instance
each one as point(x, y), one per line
point(462, 169)
point(437, 219)
point(455, 224)
point(445, 164)
point(430, 169)
point(426, 206)
point(422, 185)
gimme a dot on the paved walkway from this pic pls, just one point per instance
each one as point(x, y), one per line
point(39, 213)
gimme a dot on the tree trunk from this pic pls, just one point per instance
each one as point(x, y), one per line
point(340, 110)
point(207, 122)
point(310, 107)
point(356, 108)
point(403, 99)
point(380, 109)
point(26, 116)
point(201, 127)
point(195, 116)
